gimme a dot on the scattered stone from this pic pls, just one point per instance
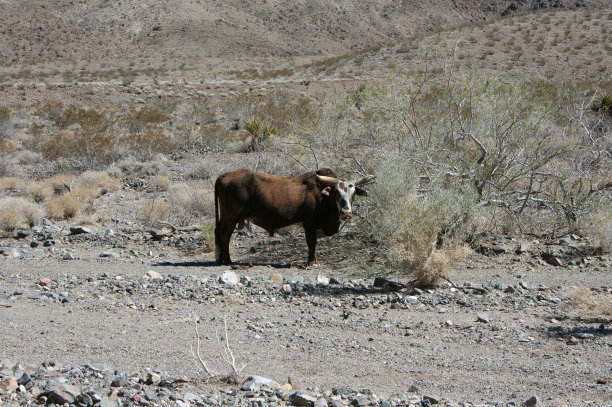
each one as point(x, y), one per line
point(498, 249)
point(276, 278)
point(62, 394)
point(111, 254)
point(9, 384)
point(482, 317)
point(68, 256)
point(295, 383)
point(572, 341)
point(302, 400)
point(21, 234)
point(229, 278)
point(531, 402)
point(106, 402)
point(523, 247)
point(552, 259)
point(77, 230)
point(153, 275)
point(323, 280)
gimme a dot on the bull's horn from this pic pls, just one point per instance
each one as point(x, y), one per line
point(327, 180)
point(365, 180)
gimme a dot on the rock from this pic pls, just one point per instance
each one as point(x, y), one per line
point(120, 381)
point(9, 384)
point(68, 256)
point(572, 341)
point(552, 259)
point(110, 253)
point(106, 402)
point(65, 393)
point(276, 278)
point(302, 400)
point(21, 234)
point(320, 402)
point(522, 247)
point(498, 249)
point(431, 400)
point(482, 317)
point(24, 379)
point(46, 282)
point(153, 275)
point(531, 402)
point(286, 288)
point(229, 278)
point(360, 401)
point(77, 230)
point(295, 383)
point(321, 279)
point(153, 378)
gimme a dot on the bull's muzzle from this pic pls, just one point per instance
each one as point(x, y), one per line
point(347, 214)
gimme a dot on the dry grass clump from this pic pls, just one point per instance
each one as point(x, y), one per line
point(155, 210)
point(18, 212)
point(10, 184)
point(65, 206)
point(161, 183)
point(40, 191)
point(90, 185)
point(587, 305)
point(135, 167)
point(190, 202)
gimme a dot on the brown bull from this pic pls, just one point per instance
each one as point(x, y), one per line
point(317, 200)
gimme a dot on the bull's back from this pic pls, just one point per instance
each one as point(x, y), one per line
point(269, 201)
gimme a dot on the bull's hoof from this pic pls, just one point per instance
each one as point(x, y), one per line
point(314, 264)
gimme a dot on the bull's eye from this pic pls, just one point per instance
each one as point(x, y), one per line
point(351, 185)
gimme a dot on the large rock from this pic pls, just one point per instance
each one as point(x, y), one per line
point(9, 384)
point(229, 278)
point(63, 394)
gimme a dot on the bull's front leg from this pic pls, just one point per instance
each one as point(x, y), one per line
point(311, 241)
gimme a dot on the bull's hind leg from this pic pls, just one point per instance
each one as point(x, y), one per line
point(223, 234)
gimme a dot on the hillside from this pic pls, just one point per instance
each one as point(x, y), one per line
point(40, 31)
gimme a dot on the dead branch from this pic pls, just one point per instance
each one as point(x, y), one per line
point(210, 372)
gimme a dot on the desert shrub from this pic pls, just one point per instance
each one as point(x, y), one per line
point(190, 202)
point(28, 157)
point(587, 305)
point(16, 213)
point(10, 184)
point(40, 191)
point(8, 166)
point(260, 134)
point(62, 182)
point(98, 179)
point(419, 219)
point(134, 167)
point(155, 210)
point(65, 206)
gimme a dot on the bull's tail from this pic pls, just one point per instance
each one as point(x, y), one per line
point(217, 242)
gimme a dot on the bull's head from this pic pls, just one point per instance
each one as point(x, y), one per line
point(344, 192)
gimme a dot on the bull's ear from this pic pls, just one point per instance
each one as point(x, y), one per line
point(326, 191)
point(361, 191)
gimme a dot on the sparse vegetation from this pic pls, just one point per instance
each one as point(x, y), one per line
point(65, 206)
point(18, 213)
